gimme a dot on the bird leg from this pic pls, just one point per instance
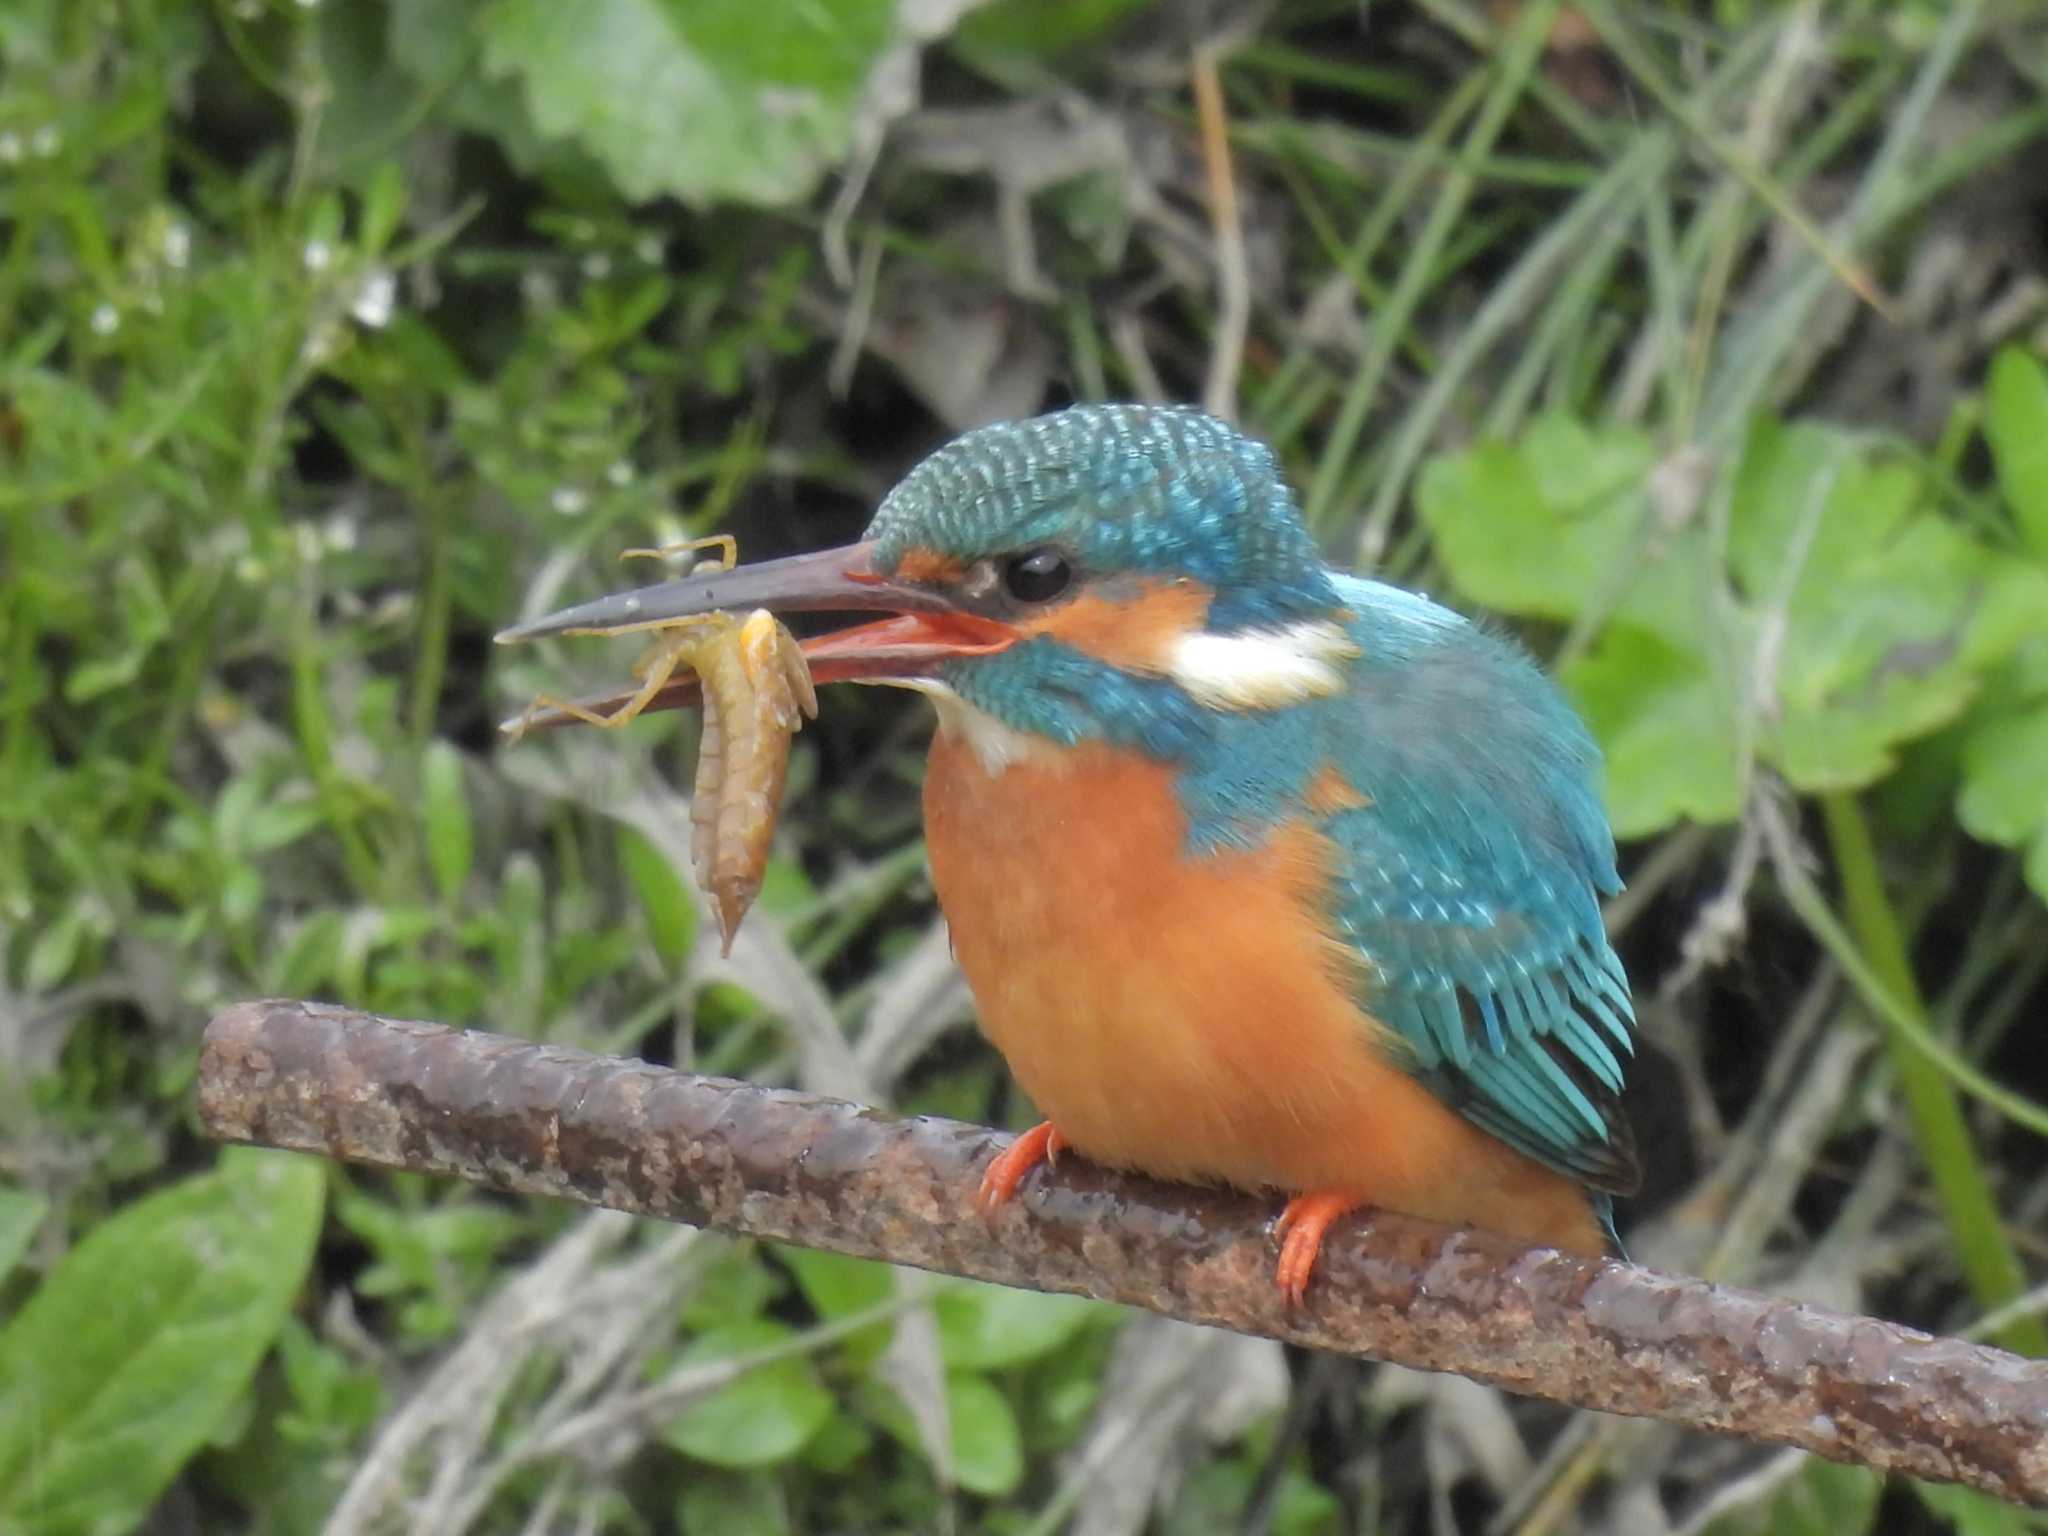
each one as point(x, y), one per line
point(1300, 1230)
point(1041, 1144)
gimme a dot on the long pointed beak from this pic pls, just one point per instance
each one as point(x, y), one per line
point(926, 628)
point(825, 581)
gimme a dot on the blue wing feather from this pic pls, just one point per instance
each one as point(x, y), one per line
point(1470, 879)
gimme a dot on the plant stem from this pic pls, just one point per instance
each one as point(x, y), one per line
point(1989, 1263)
point(1518, 52)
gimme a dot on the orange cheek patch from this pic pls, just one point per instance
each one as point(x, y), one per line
point(1329, 792)
point(928, 565)
point(1135, 633)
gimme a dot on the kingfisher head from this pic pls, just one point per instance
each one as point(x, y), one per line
point(1107, 571)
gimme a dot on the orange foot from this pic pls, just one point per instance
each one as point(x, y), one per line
point(1300, 1228)
point(1041, 1144)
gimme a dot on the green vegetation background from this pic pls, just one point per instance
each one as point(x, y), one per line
point(1702, 343)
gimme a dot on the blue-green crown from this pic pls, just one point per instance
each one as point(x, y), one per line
point(1160, 490)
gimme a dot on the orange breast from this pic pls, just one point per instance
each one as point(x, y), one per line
point(1189, 1017)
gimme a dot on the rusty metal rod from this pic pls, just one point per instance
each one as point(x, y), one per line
point(543, 1120)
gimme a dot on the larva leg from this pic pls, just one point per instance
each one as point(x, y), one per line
point(727, 546)
point(654, 670)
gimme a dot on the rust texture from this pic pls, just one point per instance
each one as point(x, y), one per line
point(542, 1120)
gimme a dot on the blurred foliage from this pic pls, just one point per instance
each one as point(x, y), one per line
point(333, 336)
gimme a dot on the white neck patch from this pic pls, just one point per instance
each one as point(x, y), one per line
point(995, 745)
point(1262, 668)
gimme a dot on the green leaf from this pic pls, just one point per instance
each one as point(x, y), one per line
point(671, 915)
point(843, 1441)
point(383, 206)
point(733, 1505)
point(1559, 525)
point(836, 1285)
point(764, 1417)
point(1039, 29)
point(2016, 422)
point(2005, 777)
point(1666, 727)
point(1970, 1513)
point(1823, 1499)
point(1540, 527)
point(2004, 794)
point(21, 1213)
point(436, 44)
point(986, 1327)
point(1894, 614)
point(444, 806)
point(364, 95)
point(988, 1450)
point(1855, 617)
point(988, 1447)
point(57, 947)
point(125, 1360)
point(332, 1396)
point(700, 98)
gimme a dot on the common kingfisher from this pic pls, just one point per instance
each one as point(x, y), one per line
point(1261, 874)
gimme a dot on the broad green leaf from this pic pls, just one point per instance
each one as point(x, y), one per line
point(1560, 525)
point(710, 99)
point(21, 1212)
point(2016, 422)
point(1217, 1490)
point(671, 915)
point(1892, 617)
point(735, 1286)
point(1822, 1499)
point(836, 1285)
point(331, 1394)
point(843, 1441)
point(436, 44)
point(1970, 1513)
point(765, 1416)
point(2005, 777)
point(125, 1360)
point(986, 1327)
point(1539, 527)
point(1039, 29)
point(2004, 795)
point(1858, 620)
point(364, 94)
point(444, 806)
point(732, 1504)
point(988, 1448)
point(57, 947)
point(1666, 726)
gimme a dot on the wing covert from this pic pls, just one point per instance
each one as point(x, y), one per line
point(1469, 879)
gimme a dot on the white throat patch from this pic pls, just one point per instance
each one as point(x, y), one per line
point(1262, 668)
point(995, 745)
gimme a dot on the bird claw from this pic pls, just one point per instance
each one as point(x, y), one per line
point(1041, 1144)
point(1300, 1228)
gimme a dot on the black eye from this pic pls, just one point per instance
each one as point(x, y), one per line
point(1038, 576)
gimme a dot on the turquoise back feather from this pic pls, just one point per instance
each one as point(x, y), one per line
point(1471, 881)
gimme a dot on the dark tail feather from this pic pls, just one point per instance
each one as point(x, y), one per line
point(1603, 1208)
